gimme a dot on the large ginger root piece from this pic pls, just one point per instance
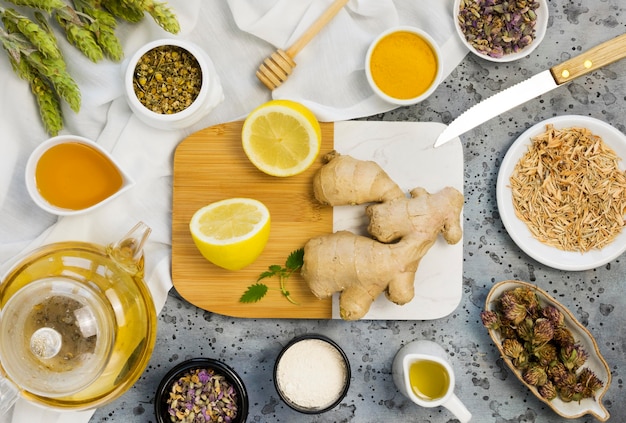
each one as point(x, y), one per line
point(361, 268)
point(344, 180)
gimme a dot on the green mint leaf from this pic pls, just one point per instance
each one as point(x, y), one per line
point(275, 269)
point(266, 274)
point(295, 260)
point(254, 293)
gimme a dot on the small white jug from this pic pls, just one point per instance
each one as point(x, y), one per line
point(428, 351)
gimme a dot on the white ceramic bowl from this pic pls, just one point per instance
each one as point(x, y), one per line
point(517, 229)
point(209, 97)
point(541, 25)
point(31, 181)
point(438, 75)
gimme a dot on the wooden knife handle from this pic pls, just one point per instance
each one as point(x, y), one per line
point(600, 55)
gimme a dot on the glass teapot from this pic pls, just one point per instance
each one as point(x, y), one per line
point(77, 323)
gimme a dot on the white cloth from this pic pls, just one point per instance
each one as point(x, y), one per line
point(238, 35)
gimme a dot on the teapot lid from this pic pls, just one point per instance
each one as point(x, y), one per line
point(56, 336)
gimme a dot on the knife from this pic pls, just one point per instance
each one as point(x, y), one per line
point(600, 55)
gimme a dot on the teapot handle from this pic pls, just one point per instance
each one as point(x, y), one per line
point(8, 395)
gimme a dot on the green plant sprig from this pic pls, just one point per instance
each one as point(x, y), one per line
point(257, 291)
point(89, 25)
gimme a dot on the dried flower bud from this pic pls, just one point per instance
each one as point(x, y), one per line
point(554, 315)
point(548, 391)
point(512, 348)
point(522, 361)
point(490, 319)
point(573, 356)
point(558, 374)
point(535, 375)
point(590, 382)
point(563, 336)
point(525, 330)
point(546, 354)
point(543, 331)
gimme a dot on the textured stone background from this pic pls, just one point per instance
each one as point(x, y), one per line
point(484, 384)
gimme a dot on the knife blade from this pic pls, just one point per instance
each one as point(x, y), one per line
point(541, 83)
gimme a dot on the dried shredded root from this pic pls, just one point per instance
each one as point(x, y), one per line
point(569, 190)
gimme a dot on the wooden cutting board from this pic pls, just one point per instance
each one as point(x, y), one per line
point(210, 165)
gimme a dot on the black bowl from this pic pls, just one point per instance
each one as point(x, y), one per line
point(346, 385)
point(162, 393)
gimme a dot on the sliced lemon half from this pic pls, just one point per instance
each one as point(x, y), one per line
point(281, 137)
point(231, 233)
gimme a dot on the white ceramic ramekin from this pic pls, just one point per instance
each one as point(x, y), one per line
point(209, 97)
point(438, 75)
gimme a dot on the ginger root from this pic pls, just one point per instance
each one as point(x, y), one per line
point(361, 268)
point(344, 180)
point(399, 217)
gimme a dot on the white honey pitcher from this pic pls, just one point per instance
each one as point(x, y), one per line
point(422, 373)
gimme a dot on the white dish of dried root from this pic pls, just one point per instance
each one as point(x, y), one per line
point(561, 192)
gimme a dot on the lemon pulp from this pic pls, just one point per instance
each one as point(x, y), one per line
point(231, 233)
point(281, 137)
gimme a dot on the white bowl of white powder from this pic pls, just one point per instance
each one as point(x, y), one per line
point(312, 374)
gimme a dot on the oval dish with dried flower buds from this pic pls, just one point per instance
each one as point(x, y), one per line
point(548, 350)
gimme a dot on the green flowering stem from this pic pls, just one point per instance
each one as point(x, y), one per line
point(45, 5)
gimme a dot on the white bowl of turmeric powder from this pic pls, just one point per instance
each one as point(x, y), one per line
point(403, 65)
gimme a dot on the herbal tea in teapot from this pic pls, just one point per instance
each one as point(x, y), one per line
point(78, 323)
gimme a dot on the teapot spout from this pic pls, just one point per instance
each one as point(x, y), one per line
point(128, 252)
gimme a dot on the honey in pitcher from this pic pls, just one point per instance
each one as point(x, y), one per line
point(75, 176)
point(429, 379)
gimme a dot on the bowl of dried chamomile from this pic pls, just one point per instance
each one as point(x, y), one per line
point(560, 192)
point(171, 84)
point(501, 31)
point(547, 349)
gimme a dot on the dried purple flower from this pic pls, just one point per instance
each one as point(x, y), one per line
point(535, 375)
point(543, 331)
point(554, 315)
point(490, 319)
point(573, 356)
point(200, 396)
point(548, 391)
point(496, 28)
point(546, 354)
point(591, 383)
point(512, 348)
point(563, 336)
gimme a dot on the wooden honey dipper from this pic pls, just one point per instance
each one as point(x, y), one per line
point(276, 69)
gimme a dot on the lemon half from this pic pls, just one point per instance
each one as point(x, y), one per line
point(231, 233)
point(281, 137)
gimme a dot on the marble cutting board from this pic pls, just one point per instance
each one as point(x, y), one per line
point(210, 165)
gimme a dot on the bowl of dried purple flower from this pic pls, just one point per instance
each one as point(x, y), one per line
point(549, 351)
point(201, 389)
point(501, 31)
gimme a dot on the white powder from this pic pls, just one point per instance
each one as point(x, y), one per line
point(311, 374)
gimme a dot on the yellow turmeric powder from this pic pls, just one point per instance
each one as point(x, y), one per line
point(403, 65)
